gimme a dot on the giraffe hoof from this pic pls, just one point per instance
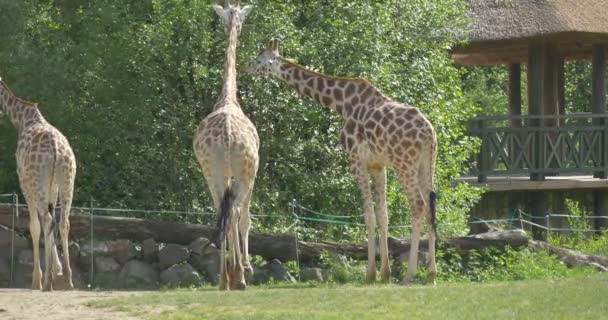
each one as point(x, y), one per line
point(248, 269)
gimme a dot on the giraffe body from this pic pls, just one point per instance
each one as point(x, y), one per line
point(226, 147)
point(46, 167)
point(378, 133)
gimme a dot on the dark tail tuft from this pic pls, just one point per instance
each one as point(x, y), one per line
point(433, 204)
point(224, 217)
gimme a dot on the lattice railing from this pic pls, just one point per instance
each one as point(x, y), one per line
point(575, 143)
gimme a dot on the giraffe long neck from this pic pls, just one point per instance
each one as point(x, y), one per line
point(230, 87)
point(347, 96)
point(21, 113)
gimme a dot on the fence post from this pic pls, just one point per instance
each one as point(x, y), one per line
point(548, 217)
point(92, 268)
point(295, 228)
point(15, 214)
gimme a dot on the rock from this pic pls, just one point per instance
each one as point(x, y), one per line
point(273, 270)
point(311, 274)
point(6, 238)
point(107, 280)
point(74, 250)
point(26, 258)
point(205, 258)
point(121, 250)
point(106, 264)
point(172, 254)
point(5, 272)
point(180, 275)
point(279, 273)
point(138, 274)
point(150, 250)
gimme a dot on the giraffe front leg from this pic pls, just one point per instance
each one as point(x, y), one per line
point(379, 176)
point(64, 229)
point(412, 263)
point(35, 232)
point(362, 178)
point(49, 243)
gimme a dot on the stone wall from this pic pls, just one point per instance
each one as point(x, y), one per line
point(124, 264)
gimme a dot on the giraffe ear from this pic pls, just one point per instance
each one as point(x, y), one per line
point(245, 11)
point(219, 10)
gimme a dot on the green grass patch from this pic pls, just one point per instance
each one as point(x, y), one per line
point(570, 298)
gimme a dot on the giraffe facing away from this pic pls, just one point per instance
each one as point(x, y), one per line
point(46, 168)
point(378, 133)
point(226, 146)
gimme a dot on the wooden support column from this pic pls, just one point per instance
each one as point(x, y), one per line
point(538, 208)
point(515, 94)
point(598, 99)
point(561, 87)
point(535, 101)
point(550, 107)
point(600, 208)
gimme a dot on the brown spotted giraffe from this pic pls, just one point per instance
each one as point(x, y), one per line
point(378, 133)
point(46, 168)
point(226, 146)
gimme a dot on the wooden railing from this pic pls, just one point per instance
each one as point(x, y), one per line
point(543, 145)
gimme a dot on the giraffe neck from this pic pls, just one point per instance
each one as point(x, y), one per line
point(347, 96)
point(230, 87)
point(21, 113)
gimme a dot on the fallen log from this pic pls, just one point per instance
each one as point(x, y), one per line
point(269, 246)
point(571, 257)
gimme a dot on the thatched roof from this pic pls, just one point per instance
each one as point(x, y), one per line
point(501, 25)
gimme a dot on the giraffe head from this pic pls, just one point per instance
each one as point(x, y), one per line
point(268, 61)
point(232, 14)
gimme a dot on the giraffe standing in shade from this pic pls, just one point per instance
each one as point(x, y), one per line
point(378, 133)
point(46, 168)
point(226, 146)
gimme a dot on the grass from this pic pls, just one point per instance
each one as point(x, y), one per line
point(571, 298)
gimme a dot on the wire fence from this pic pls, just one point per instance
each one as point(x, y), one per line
point(298, 214)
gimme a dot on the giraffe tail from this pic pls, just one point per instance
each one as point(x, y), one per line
point(224, 216)
point(433, 205)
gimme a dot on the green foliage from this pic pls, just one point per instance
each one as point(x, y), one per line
point(581, 240)
point(341, 269)
point(128, 81)
point(500, 265)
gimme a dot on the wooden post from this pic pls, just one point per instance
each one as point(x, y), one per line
point(598, 98)
point(561, 89)
point(535, 102)
point(538, 208)
point(515, 94)
point(600, 208)
point(550, 106)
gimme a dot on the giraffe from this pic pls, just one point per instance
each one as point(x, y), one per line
point(226, 147)
point(46, 168)
point(378, 133)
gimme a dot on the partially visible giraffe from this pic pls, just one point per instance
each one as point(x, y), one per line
point(378, 133)
point(226, 146)
point(46, 168)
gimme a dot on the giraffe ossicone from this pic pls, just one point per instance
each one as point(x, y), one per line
point(378, 133)
point(226, 147)
point(46, 167)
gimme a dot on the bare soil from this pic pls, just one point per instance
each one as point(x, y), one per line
point(22, 304)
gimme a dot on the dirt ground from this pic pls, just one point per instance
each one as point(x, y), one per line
point(20, 304)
